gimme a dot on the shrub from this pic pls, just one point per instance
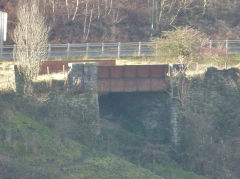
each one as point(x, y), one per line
point(181, 43)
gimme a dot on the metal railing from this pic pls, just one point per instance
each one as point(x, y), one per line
point(67, 51)
point(226, 46)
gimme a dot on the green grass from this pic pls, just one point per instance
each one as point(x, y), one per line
point(28, 140)
point(108, 168)
point(174, 172)
point(44, 154)
point(30, 149)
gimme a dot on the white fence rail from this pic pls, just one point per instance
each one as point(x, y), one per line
point(227, 46)
point(67, 51)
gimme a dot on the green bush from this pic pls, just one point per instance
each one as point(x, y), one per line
point(184, 43)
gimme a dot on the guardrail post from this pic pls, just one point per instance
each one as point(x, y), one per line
point(87, 48)
point(14, 51)
point(226, 47)
point(49, 50)
point(68, 50)
point(139, 48)
point(102, 48)
point(119, 49)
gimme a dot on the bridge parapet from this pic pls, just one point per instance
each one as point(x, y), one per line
point(112, 78)
point(132, 78)
point(56, 66)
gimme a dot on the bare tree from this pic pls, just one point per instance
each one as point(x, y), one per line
point(31, 38)
point(76, 10)
point(53, 10)
point(169, 10)
point(87, 21)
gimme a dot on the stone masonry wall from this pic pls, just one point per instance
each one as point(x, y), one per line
point(82, 78)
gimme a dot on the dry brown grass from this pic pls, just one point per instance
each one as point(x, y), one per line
point(52, 76)
point(6, 76)
point(194, 68)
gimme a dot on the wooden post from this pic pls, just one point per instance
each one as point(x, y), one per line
point(119, 49)
point(139, 48)
point(102, 48)
point(50, 80)
point(64, 71)
point(48, 70)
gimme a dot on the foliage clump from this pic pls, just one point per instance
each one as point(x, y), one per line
point(179, 44)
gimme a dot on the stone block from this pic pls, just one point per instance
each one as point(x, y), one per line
point(90, 76)
point(75, 79)
point(83, 77)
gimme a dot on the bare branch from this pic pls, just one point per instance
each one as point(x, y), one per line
point(31, 37)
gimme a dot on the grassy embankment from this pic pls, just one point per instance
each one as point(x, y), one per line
point(25, 138)
point(31, 149)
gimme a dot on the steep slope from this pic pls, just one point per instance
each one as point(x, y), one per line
point(30, 150)
point(125, 20)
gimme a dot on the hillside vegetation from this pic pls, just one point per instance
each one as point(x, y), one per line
point(35, 143)
point(47, 155)
point(74, 21)
point(49, 135)
point(52, 133)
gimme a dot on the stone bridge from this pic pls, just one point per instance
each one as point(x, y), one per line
point(96, 78)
